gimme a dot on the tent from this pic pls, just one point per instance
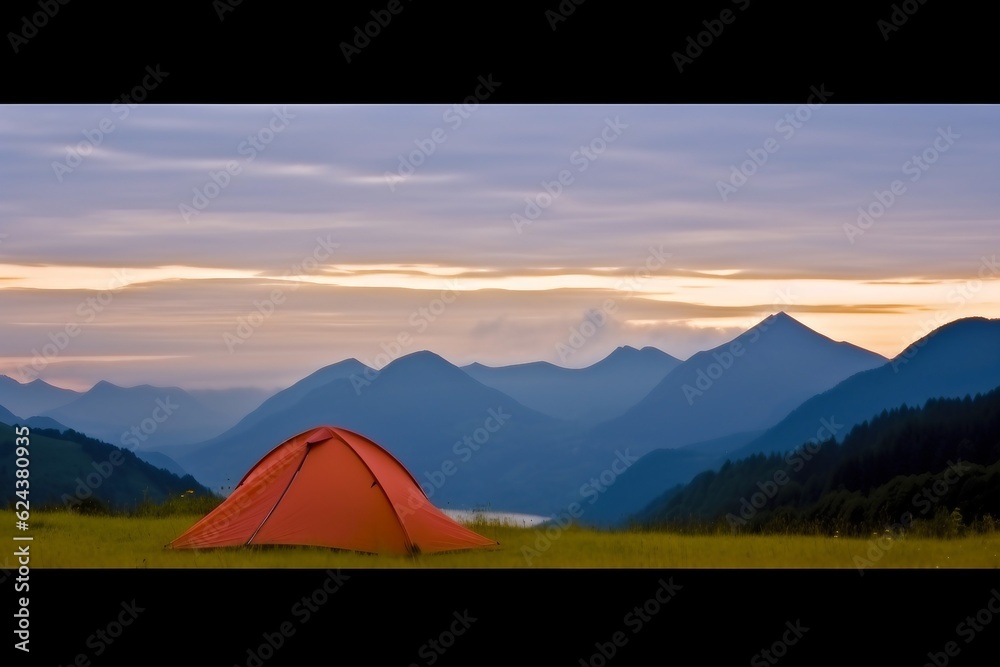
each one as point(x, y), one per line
point(334, 488)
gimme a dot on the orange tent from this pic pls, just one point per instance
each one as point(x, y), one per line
point(331, 487)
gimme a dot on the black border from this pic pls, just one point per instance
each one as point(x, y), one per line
point(433, 52)
point(544, 617)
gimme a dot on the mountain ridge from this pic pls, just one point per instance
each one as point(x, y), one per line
point(958, 358)
point(592, 394)
point(690, 404)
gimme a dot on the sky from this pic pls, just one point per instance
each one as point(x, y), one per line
point(212, 246)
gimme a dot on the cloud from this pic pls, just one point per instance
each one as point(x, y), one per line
point(325, 176)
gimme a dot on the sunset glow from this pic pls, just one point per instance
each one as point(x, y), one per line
point(158, 241)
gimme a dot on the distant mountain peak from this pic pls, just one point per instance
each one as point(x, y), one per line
point(350, 361)
point(422, 360)
point(629, 352)
point(420, 355)
point(105, 385)
point(106, 388)
point(14, 381)
point(964, 323)
point(623, 351)
point(338, 368)
point(974, 330)
point(956, 359)
point(783, 329)
point(783, 322)
point(781, 318)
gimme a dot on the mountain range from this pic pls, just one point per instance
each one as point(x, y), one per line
point(747, 384)
point(33, 398)
point(958, 359)
point(423, 409)
point(535, 437)
point(588, 395)
point(142, 417)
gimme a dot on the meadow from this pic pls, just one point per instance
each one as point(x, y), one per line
point(64, 539)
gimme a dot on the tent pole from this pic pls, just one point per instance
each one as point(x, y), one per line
point(278, 501)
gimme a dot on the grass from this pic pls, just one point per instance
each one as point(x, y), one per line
point(66, 539)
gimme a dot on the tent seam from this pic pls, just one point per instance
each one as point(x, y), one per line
point(282, 496)
point(406, 534)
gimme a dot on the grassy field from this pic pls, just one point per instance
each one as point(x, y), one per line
point(64, 539)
